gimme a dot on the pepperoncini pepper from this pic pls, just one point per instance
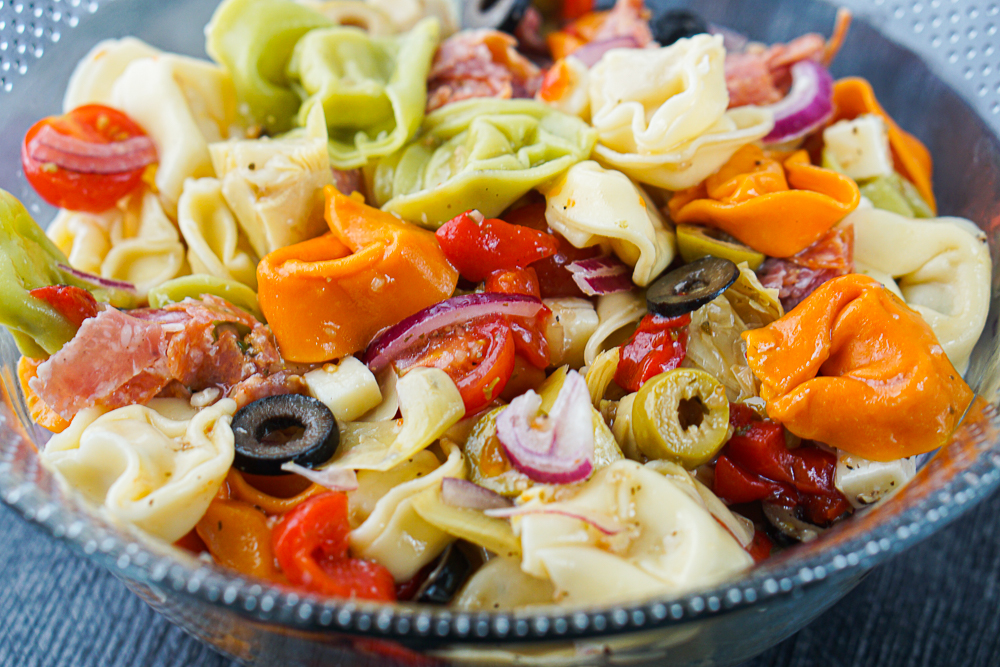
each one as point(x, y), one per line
point(777, 207)
point(854, 367)
point(327, 297)
point(29, 260)
point(853, 97)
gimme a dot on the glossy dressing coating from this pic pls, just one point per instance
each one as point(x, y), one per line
point(857, 369)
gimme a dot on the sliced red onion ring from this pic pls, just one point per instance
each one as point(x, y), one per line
point(463, 493)
point(601, 275)
point(98, 281)
point(557, 449)
point(87, 157)
point(602, 522)
point(459, 309)
point(591, 53)
point(333, 478)
point(807, 106)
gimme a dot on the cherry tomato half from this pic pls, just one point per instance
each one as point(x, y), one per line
point(87, 159)
point(310, 544)
point(478, 356)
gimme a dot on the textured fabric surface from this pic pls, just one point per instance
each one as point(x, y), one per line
point(936, 605)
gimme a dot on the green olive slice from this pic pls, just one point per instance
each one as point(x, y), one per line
point(682, 416)
point(688, 288)
point(695, 242)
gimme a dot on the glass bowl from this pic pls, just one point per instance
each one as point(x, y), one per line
point(911, 51)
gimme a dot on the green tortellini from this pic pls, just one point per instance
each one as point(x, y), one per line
point(30, 260)
point(200, 284)
point(254, 39)
point(373, 90)
point(478, 154)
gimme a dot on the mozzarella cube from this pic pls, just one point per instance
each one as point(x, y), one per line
point(864, 482)
point(860, 147)
point(348, 388)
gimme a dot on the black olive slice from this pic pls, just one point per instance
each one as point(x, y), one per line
point(452, 570)
point(690, 287)
point(276, 429)
point(669, 26)
point(503, 15)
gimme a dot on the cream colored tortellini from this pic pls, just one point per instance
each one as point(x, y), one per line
point(155, 466)
point(215, 244)
point(405, 14)
point(665, 540)
point(480, 154)
point(941, 267)
point(373, 89)
point(590, 205)
point(275, 186)
point(135, 242)
point(364, 15)
point(660, 114)
point(95, 75)
point(394, 534)
point(567, 331)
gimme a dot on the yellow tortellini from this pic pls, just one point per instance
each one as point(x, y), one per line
point(275, 186)
point(590, 205)
point(394, 534)
point(373, 89)
point(215, 244)
point(155, 466)
point(667, 542)
point(135, 242)
point(182, 103)
point(941, 267)
point(661, 113)
point(480, 153)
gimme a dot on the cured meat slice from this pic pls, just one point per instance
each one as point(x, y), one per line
point(798, 276)
point(628, 18)
point(106, 355)
point(259, 386)
point(480, 63)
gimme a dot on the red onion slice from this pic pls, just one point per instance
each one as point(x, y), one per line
point(603, 523)
point(98, 281)
point(592, 52)
point(457, 310)
point(808, 105)
point(558, 448)
point(463, 493)
point(601, 275)
point(333, 478)
point(88, 157)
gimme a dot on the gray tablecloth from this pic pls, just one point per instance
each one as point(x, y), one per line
point(936, 605)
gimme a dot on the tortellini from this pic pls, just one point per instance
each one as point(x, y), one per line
point(479, 153)
point(567, 331)
point(590, 205)
point(373, 89)
point(215, 244)
point(182, 103)
point(155, 466)
point(365, 15)
point(661, 113)
point(668, 543)
point(136, 243)
point(405, 14)
point(275, 186)
point(941, 267)
point(253, 40)
point(394, 534)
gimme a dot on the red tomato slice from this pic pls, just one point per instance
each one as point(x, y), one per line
point(657, 346)
point(478, 246)
point(74, 303)
point(529, 333)
point(310, 544)
point(554, 279)
point(86, 160)
point(478, 356)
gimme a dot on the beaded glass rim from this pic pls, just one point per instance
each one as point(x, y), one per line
point(952, 36)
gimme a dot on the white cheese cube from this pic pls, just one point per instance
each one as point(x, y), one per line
point(348, 388)
point(864, 482)
point(860, 147)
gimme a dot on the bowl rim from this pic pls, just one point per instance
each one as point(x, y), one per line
point(127, 552)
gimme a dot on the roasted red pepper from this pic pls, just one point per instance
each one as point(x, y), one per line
point(479, 246)
point(657, 346)
point(760, 548)
point(756, 464)
point(310, 544)
point(73, 303)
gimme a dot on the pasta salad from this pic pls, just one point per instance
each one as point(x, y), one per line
point(489, 306)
